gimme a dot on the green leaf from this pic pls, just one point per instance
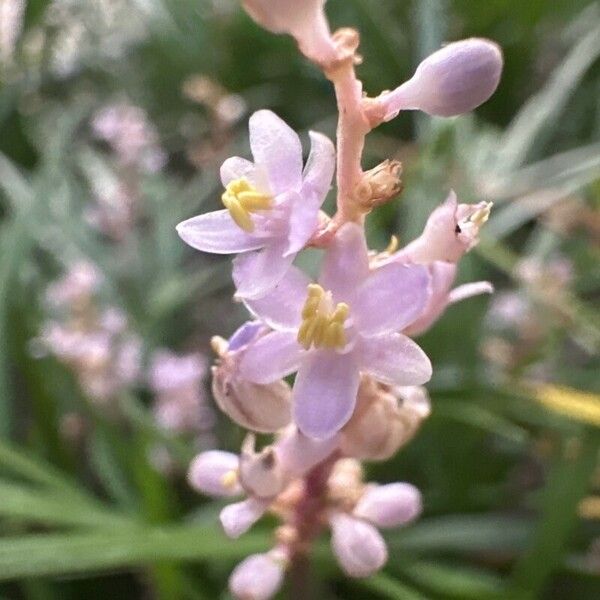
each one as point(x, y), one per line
point(69, 554)
point(388, 587)
point(567, 485)
point(32, 505)
point(451, 580)
point(463, 533)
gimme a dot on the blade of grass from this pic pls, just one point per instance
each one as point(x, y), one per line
point(567, 485)
point(69, 554)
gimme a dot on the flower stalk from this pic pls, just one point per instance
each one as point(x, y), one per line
point(357, 394)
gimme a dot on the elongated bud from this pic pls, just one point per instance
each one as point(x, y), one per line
point(261, 474)
point(305, 20)
point(383, 420)
point(452, 81)
point(389, 505)
point(452, 229)
point(215, 473)
point(237, 518)
point(258, 577)
point(260, 408)
point(357, 545)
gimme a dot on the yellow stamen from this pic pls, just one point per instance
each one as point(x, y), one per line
point(479, 217)
point(322, 323)
point(241, 199)
point(393, 245)
point(229, 480)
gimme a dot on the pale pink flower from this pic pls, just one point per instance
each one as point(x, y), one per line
point(258, 577)
point(80, 281)
point(353, 317)
point(451, 230)
point(273, 205)
point(357, 545)
point(131, 135)
point(390, 505)
point(260, 408)
point(305, 20)
point(180, 404)
point(453, 80)
point(209, 470)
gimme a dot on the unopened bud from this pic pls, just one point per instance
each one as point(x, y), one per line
point(261, 408)
point(379, 184)
point(258, 577)
point(237, 518)
point(451, 230)
point(260, 472)
point(214, 473)
point(357, 545)
point(380, 426)
point(452, 81)
point(389, 505)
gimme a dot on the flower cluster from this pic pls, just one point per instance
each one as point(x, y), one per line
point(94, 342)
point(346, 335)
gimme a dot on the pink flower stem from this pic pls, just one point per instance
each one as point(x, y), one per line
point(353, 126)
point(308, 521)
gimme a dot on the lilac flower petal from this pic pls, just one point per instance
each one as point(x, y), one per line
point(281, 308)
point(389, 505)
point(234, 168)
point(276, 147)
point(207, 472)
point(468, 290)
point(304, 220)
point(357, 545)
point(257, 273)
point(324, 393)
point(237, 518)
point(391, 298)
point(395, 359)
point(257, 577)
point(271, 357)
point(215, 232)
point(243, 335)
point(346, 263)
point(320, 165)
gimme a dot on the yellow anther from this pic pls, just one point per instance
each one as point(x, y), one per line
point(322, 323)
point(479, 217)
point(241, 198)
point(229, 480)
point(393, 245)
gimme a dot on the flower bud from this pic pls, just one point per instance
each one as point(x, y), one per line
point(260, 408)
point(260, 472)
point(214, 473)
point(305, 20)
point(258, 577)
point(357, 545)
point(389, 505)
point(380, 426)
point(237, 518)
point(451, 230)
point(454, 80)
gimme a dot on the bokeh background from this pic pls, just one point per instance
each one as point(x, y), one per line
point(114, 118)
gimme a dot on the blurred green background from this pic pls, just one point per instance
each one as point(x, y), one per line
point(508, 460)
